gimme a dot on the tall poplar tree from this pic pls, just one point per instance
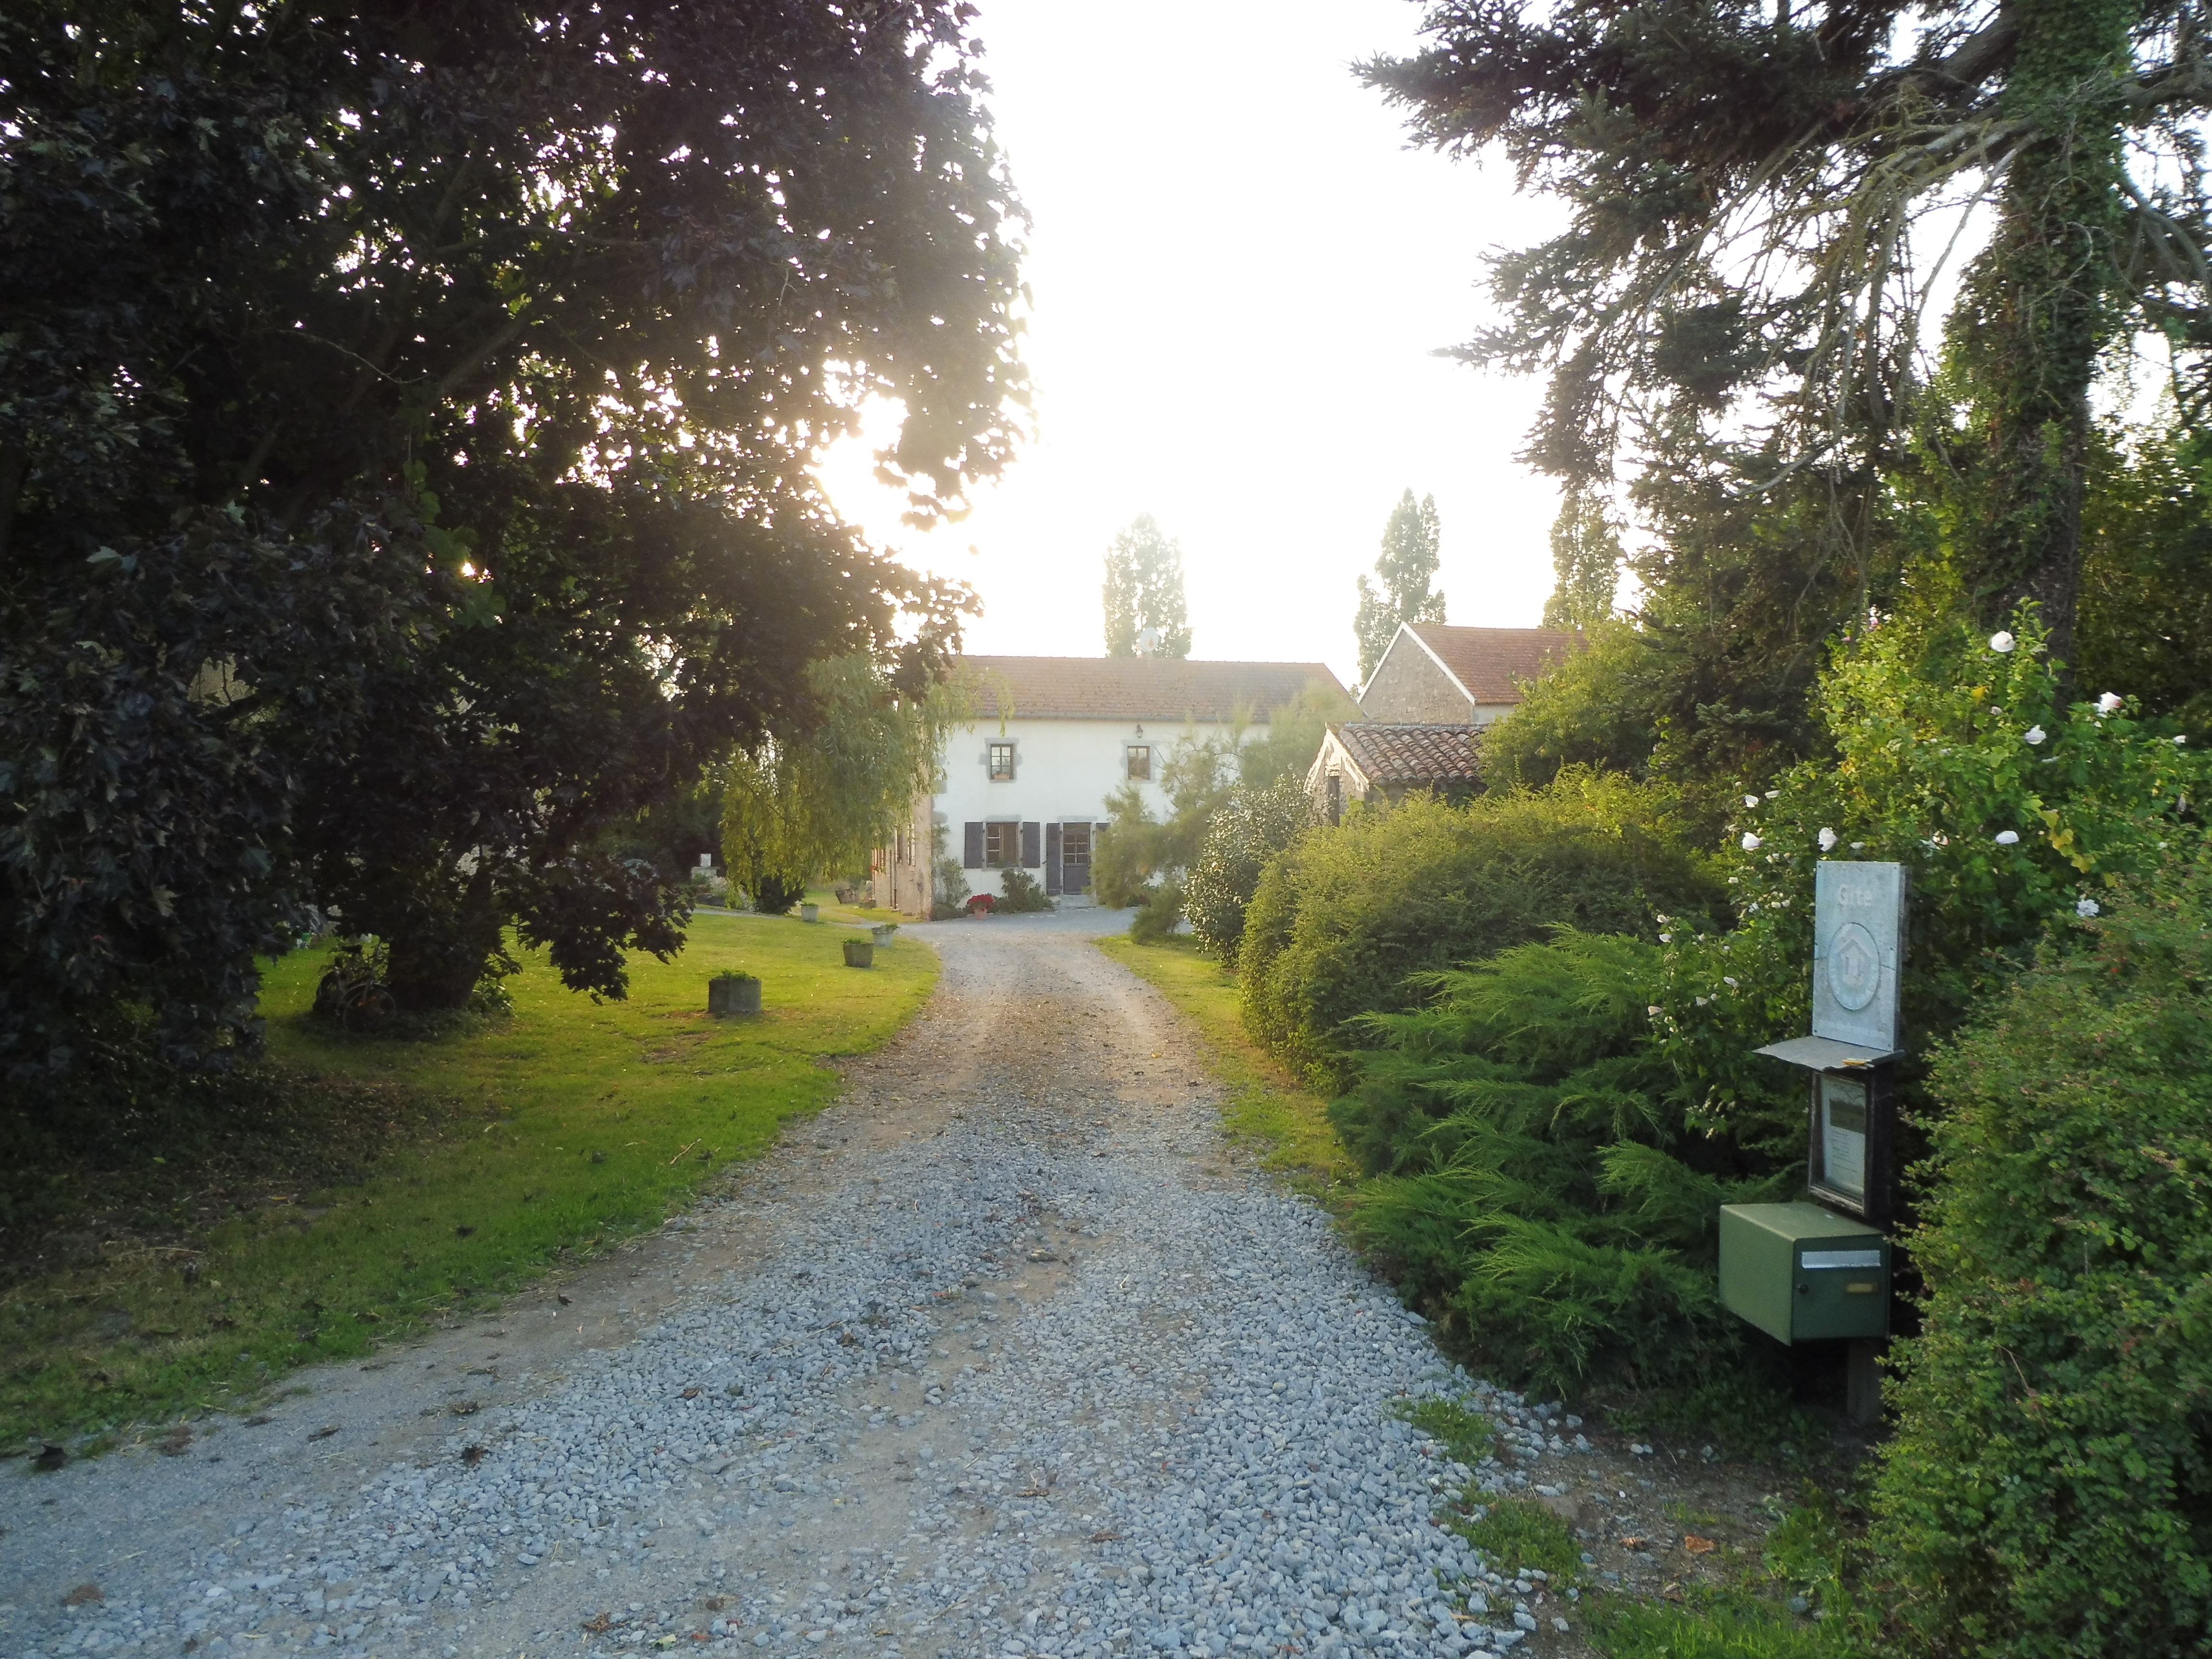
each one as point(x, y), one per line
point(1407, 566)
point(1144, 593)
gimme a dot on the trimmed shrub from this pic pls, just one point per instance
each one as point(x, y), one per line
point(1023, 890)
point(1159, 909)
point(1255, 825)
point(1539, 1187)
point(1344, 916)
point(2049, 1490)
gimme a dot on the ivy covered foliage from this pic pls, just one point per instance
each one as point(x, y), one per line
point(2049, 1490)
point(1955, 755)
point(1343, 918)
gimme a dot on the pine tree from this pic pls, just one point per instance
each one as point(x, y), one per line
point(1746, 181)
point(1407, 566)
point(1144, 593)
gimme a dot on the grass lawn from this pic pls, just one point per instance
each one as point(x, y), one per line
point(1267, 1108)
point(440, 1171)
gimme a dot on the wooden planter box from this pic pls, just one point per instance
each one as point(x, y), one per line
point(726, 997)
point(859, 953)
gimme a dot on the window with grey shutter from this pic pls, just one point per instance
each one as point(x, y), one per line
point(971, 850)
point(1032, 846)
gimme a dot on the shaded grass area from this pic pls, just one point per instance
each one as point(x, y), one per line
point(351, 1188)
point(1268, 1108)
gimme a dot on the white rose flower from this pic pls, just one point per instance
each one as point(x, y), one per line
point(1828, 841)
point(2086, 907)
point(1751, 800)
point(2181, 741)
point(1774, 794)
point(1750, 842)
point(2034, 734)
point(2109, 704)
point(2001, 641)
point(1666, 939)
point(2007, 837)
point(1729, 980)
point(1653, 1011)
point(1702, 1001)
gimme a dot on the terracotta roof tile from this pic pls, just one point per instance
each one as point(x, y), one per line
point(1489, 661)
point(1137, 687)
point(1393, 754)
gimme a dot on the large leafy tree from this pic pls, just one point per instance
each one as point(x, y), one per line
point(1407, 567)
point(405, 414)
point(1144, 593)
point(1754, 233)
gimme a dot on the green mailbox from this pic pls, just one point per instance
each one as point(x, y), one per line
point(1801, 1273)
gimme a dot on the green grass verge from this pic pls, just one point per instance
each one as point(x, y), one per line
point(1732, 1625)
point(1461, 1430)
point(490, 1151)
point(1515, 1534)
point(1266, 1109)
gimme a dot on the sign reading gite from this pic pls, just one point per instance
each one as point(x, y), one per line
point(1858, 943)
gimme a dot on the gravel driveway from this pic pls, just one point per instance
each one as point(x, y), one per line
point(1008, 1353)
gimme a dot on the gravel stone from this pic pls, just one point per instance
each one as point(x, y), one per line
point(1007, 1354)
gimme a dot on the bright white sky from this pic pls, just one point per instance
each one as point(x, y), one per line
point(1238, 272)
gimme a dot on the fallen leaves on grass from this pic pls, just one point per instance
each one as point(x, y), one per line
point(604, 1622)
point(1697, 1545)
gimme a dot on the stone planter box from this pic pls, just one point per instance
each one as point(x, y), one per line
point(859, 953)
point(882, 932)
point(726, 997)
point(810, 912)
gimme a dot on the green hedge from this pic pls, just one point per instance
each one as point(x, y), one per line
point(2049, 1490)
point(1345, 914)
point(1537, 1184)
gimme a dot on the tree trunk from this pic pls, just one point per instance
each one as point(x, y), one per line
point(440, 951)
point(2047, 294)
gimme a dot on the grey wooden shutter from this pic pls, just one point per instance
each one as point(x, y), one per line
point(1032, 846)
point(971, 855)
point(1052, 858)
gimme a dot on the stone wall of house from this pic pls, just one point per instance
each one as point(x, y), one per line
point(1409, 686)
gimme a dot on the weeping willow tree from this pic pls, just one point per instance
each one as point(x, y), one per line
point(796, 808)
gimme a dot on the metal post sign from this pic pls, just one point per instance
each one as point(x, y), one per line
point(1858, 940)
point(1858, 948)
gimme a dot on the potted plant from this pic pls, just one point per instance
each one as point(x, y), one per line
point(809, 911)
point(882, 932)
point(859, 953)
point(982, 904)
point(731, 992)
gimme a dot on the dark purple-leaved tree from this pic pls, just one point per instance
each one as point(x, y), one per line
point(405, 419)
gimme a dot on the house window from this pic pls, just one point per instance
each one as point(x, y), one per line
point(1002, 844)
point(1140, 761)
point(1002, 762)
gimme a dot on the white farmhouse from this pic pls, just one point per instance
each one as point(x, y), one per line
point(1026, 782)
